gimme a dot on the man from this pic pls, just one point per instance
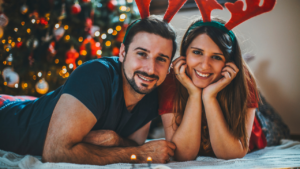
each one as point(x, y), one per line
point(114, 98)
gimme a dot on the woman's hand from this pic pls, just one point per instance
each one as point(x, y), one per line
point(229, 72)
point(180, 72)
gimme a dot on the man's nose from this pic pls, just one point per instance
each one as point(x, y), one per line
point(150, 66)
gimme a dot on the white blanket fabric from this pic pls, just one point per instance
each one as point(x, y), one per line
point(285, 155)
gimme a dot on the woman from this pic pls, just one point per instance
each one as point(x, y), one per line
point(208, 101)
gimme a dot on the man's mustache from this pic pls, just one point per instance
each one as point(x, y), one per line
point(146, 74)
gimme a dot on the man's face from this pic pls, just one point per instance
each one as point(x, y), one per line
point(146, 63)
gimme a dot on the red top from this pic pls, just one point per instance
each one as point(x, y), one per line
point(166, 94)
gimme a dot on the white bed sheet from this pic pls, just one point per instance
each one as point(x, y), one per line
point(286, 155)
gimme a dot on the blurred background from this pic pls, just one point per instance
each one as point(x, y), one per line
point(42, 42)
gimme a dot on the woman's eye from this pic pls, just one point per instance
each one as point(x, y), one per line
point(197, 52)
point(161, 59)
point(217, 57)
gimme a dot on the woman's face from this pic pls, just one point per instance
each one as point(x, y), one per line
point(205, 61)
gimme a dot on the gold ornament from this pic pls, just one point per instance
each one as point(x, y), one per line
point(42, 86)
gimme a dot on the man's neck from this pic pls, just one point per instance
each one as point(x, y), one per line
point(131, 97)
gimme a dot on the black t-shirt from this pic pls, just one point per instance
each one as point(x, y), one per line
point(98, 85)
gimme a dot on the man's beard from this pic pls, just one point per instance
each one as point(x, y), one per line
point(133, 84)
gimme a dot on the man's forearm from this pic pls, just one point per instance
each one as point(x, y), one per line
point(84, 153)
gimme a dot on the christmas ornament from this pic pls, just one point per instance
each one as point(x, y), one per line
point(75, 9)
point(71, 57)
point(9, 58)
point(43, 21)
point(86, 1)
point(19, 44)
point(42, 86)
point(63, 12)
point(11, 77)
point(24, 9)
point(59, 33)
point(94, 29)
point(88, 25)
point(1, 32)
point(3, 20)
point(47, 37)
point(95, 46)
point(35, 43)
point(51, 48)
point(111, 5)
point(34, 15)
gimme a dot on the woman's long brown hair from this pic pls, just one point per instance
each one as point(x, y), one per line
point(234, 97)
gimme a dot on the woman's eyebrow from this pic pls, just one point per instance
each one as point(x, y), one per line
point(203, 50)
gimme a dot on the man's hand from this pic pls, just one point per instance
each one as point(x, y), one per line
point(159, 150)
point(106, 138)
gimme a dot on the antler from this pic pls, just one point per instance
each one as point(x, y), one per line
point(173, 8)
point(206, 6)
point(143, 6)
point(253, 9)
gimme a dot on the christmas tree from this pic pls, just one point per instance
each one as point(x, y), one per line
point(42, 42)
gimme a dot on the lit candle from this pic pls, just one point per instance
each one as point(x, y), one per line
point(133, 158)
point(149, 160)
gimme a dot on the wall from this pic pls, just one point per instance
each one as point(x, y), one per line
point(274, 40)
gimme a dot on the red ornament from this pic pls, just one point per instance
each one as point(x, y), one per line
point(86, 0)
point(75, 9)
point(71, 57)
point(51, 48)
point(95, 46)
point(115, 51)
point(88, 25)
point(111, 5)
point(19, 44)
point(43, 21)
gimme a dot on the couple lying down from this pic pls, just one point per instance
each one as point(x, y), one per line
point(102, 114)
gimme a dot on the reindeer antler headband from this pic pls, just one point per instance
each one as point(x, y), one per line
point(143, 6)
point(238, 15)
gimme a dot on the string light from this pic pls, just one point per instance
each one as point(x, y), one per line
point(32, 20)
point(97, 44)
point(67, 37)
point(34, 77)
point(16, 85)
point(56, 61)
point(118, 28)
point(64, 71)
point(13, 44)
point(99, 52)
point(66, 27)
point(71, 66)
point(79, 62)
point(114, 33)
point(103, 36)
point(49, 73)
point(16, 29)
point(80, 39)
point(129, 1)
point(9, 41)
point(67, 75)
point(108, 43)
point(19, 39)
point(40, 74)
point(24, 85)
point(5, 83)
point(28, 30)
point(7, 49)
point(3, 41)
point(122, 16)
point(110, 31)
point(22, 23)
point(4, 62)
point(123, 8)
point(83, 52)
point(97, 33)
point(38, 21)
point(57, 25)
point(128, 9)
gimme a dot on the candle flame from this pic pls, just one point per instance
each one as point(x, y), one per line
point(133, 157)
point(149, 159)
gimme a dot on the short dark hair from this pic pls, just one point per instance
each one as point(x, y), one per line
point(151, 25)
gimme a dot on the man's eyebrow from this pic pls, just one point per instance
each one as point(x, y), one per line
point(166, 56)
point(203, 50)
point(142, 49)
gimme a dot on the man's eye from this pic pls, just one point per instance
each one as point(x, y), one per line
point(142, 53)
point(161, 59)
point(217, 57)
point(197, 52)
